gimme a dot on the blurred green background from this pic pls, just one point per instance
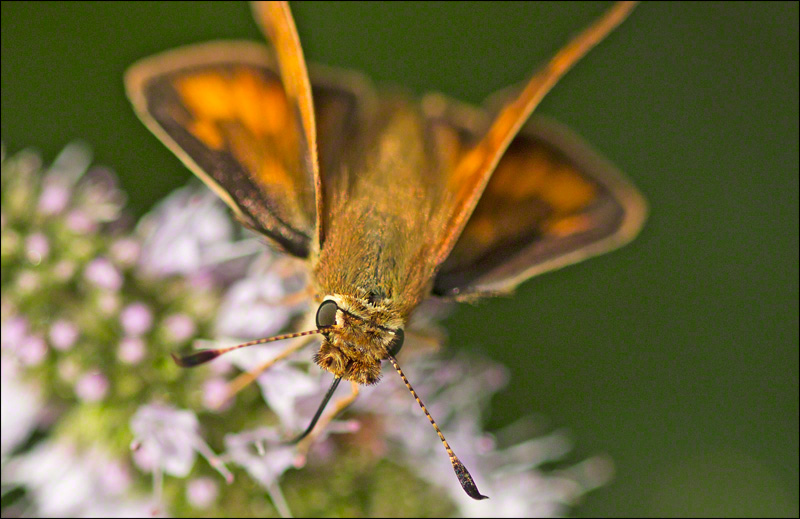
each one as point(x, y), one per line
point(677, 355)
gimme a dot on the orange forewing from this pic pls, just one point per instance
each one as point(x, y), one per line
point(230, 120)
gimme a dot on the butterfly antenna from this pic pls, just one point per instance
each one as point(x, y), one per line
point(463, 475)
point(203, 356)
point(321, 408)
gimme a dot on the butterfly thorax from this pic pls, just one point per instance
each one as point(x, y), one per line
point(383, 217)
point(360, 339)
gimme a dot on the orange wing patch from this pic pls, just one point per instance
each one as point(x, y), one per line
point(220, 102)
point(241, 95)
point(546, 177)
point(242, 112)
point(532, 193)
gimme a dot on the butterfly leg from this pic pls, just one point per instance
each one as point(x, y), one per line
point(340, 405)
point(246, 378)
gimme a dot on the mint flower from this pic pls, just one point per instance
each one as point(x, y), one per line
point(168, 439)
point(201, 492)
point(22, 406)
point(64, 482)
point(98, 421)
point(103, 274)
point(63, 334)
point(136, 319)
point(92, 387)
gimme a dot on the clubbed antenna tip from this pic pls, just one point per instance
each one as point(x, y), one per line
point(201, 357)
point(463, 475)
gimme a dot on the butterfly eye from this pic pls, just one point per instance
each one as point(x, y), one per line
point(397, 342)
point(326, 314)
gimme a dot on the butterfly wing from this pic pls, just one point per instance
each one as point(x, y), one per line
point(551, 201)
point(221, 108)
point(224, 110)
point(531, 201)
point(276, 22)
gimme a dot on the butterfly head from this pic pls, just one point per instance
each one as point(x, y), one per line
point(358, 333)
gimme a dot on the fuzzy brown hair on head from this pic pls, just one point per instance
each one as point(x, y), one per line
point(363, 370)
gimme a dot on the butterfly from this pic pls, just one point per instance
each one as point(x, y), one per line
point(389, 200)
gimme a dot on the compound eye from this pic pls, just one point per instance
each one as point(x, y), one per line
point(397, 342)
point(326, 314)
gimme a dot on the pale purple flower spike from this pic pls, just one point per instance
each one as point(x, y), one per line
point(65, 482)
point(182, 233)
point(169, 439)
point(21, 406)
point(265, 467)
